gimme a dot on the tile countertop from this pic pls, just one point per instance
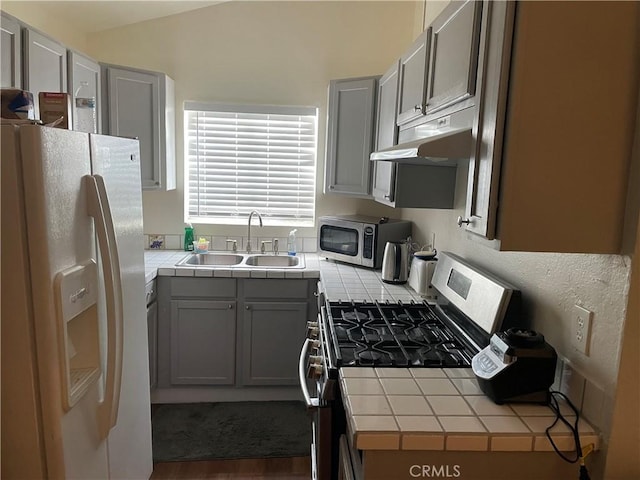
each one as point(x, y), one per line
point(444, 409)
point(339, 281)
point(163, 263)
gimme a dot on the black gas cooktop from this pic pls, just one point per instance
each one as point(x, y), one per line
point(394, 335)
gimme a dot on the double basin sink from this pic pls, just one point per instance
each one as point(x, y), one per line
point(240, 260)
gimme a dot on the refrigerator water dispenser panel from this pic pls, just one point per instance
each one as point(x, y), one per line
point(76, 293)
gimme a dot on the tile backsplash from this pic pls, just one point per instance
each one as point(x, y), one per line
point(590, 399)
point(167, 241)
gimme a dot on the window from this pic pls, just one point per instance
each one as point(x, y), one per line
point(240, 158)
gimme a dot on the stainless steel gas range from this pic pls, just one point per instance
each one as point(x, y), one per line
point(472, 306)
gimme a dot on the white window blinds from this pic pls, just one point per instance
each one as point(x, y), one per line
point(240, 158)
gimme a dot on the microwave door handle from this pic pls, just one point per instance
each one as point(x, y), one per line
point(311, 402)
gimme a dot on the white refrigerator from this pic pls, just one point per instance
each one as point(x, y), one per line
point(75, 373)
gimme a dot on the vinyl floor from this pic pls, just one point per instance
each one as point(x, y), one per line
point(294, 468)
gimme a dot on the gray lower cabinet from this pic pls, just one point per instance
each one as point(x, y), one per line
point(203, 340)
point(10, 52)
point(227, 332)
point(272, 335)
point(152, 332)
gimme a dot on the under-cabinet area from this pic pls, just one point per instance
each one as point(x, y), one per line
point(226, 339)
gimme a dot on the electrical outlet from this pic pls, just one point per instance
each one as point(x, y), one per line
point(581, 337)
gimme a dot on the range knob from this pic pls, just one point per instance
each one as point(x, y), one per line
point(313, 330)
point(315, 359)
point(315, 371)
point(315, 345)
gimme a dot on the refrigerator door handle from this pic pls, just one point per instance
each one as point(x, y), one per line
point(98, 206)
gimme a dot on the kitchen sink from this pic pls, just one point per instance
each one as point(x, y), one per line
point(211, 259)
point(237, 260)
point(272, 261)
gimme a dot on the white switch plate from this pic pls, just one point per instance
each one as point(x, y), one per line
point(581, 335)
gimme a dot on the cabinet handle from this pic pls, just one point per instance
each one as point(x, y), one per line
point(388, 197)
point(247, 307)
point(230, 306)
point(417, 108)
point(331, 187)
point(463, 220)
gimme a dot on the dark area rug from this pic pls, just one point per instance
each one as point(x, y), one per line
point(209, 431)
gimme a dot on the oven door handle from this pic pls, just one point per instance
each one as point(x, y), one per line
point(309, 400)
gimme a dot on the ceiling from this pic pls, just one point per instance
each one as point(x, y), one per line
point(94, 16)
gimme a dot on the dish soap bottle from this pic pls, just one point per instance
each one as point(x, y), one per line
point(188, 238)
point(291, 242)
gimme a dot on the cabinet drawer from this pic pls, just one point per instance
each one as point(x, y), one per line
point(203, 287)
point(276, 288)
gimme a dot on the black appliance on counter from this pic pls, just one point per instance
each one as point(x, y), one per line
point(472, 306)
point(517, 366)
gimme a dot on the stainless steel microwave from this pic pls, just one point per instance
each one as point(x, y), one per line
point(359, 239)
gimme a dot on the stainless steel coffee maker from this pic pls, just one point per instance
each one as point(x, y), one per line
point(395, 262)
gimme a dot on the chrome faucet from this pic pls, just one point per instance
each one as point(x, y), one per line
point(249, 229)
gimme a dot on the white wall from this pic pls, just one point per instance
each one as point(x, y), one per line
point(56, 26)
point(262, 52)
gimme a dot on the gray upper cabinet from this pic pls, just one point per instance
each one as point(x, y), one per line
point(85, 88)
point(45, 65)
point(559, 170)
point(401, 185)
point(10, 52)
point(141, 104)
point(454, 55)
point(351, 114)
point(413, 72)
point(386, 135)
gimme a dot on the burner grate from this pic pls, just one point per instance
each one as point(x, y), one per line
point(396, 335)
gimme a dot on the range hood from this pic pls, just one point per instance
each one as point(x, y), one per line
point(441, 147)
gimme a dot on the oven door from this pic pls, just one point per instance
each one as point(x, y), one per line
point(341, 240)
point(320, 411)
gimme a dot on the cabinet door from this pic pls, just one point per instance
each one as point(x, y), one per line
point(454, 55)
point(386, 135)
point(481, 208)
point(85, 87)
point(350, 136)
point(152, 332)
point(134, 103)
point(413, 79)
point(45, 68)
point(203, 340)
point(10, 53)
point(272, 336)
